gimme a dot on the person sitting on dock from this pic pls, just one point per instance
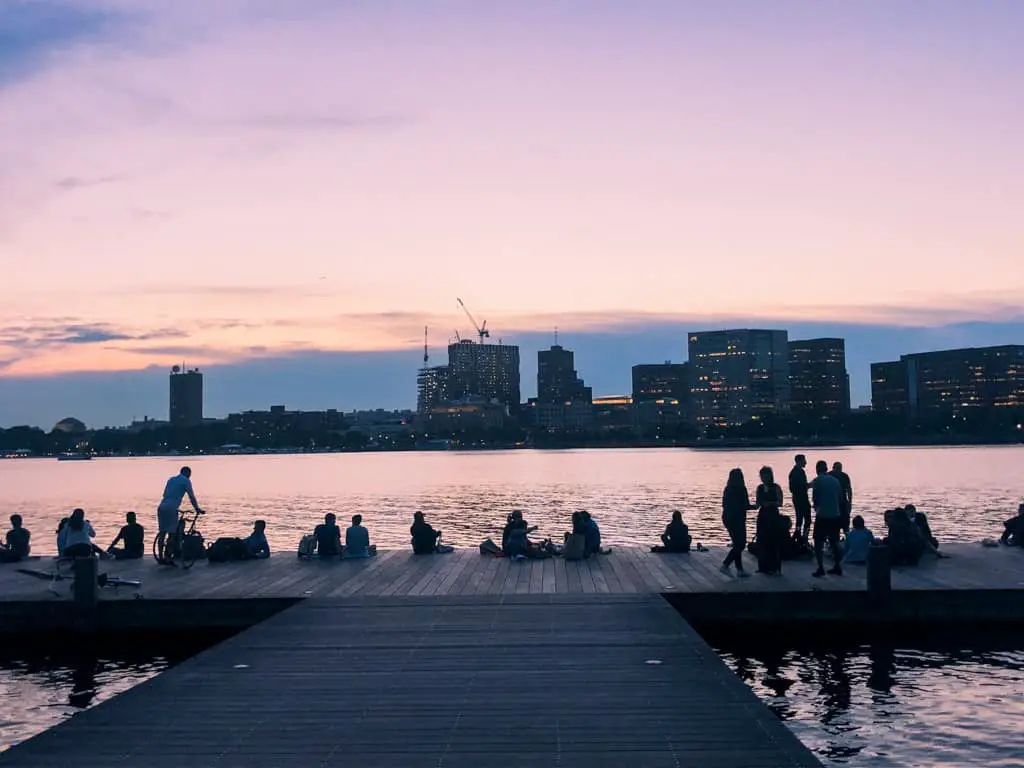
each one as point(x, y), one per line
point(676, 537)
point(16, 546)
point(256, 545)
point(921, 521)
point(858, 542)
point(1013, 533)
point(905, 542)
point(514, 524)
point(424, 538)
point(357, 540)
point(328, 537)
point(133, 535)
point(77, 537)
point(517, 542)
point(593, 533)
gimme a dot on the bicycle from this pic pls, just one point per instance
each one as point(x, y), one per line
point(175, 547)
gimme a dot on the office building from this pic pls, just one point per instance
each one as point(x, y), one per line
point(819, 388)
point(738, 375)
point(890, 389)
point(661, 394)
point(431, 387)
point(488, 371)
point(563, 401)
point(186, 402)
point(979, 381)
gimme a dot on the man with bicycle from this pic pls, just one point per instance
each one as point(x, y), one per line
point(167, 513)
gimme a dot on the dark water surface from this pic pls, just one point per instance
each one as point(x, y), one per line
point(945, 703)
point(41, 687)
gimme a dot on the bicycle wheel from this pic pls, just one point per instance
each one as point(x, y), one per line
point(186, 553)
point(157, 554)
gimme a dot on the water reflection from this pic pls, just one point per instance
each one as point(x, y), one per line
point(879, 704)
point(40, 686)
point(966, 492)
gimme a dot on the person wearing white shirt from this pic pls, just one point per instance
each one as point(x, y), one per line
point(75, 538)
point(175, 491)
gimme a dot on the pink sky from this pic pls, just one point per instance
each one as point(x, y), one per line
point(223, 177)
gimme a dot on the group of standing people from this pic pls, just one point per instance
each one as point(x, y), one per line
point(829, 496)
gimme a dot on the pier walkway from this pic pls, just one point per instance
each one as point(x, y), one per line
point(975, 583)
point(451, 681)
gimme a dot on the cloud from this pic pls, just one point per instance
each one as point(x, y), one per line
point(71, 183)
point(316, 379)
point(51, 334)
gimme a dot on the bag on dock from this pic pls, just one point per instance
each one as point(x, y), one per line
point(307, 546)
point(575, 546)
point(488, 547)
point(227, 549)
point(193, 547)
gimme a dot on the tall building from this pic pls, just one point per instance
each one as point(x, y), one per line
point(431, 387)
point(661, 394)
point(557, 381)
point(186, 405)
point(563, 400)
point(818, 384)
point(738, 375)
point(890, 388)
point(979, 381)
point(490, 371)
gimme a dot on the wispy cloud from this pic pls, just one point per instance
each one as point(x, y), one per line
point(35, 336)
point(71, 183)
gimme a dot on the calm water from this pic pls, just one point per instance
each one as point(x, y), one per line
point(41, 688)
point(967, 492)
point(873, 705)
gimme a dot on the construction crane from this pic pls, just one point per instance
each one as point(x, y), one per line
point(481, 330)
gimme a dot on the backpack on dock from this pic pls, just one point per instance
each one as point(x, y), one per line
point(307, 546)
point(227, 549)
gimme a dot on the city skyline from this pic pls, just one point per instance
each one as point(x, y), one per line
point(199, 184)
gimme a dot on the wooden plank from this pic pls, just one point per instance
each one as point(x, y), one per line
point(548, 578)
point(266, 698)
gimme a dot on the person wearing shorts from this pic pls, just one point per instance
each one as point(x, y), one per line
point(826, 497)
point(175, 491)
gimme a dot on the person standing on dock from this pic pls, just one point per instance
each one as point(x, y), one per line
point(175, 491)
point(846, 501)
point(735, 505)
point(801, 503)
point(826, 493)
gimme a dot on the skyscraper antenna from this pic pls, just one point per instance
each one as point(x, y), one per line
point(556, 335)
point(426, 354)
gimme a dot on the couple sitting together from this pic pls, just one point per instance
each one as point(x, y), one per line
point(326, 539)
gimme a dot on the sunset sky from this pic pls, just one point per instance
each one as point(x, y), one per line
point(287, 192)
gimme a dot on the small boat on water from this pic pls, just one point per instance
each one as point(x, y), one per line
point(74, 457)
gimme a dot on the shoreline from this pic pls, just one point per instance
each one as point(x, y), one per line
point(704, 445)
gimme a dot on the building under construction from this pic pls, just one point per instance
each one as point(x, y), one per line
point(475, 371)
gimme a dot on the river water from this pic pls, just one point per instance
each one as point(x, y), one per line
point(861, 705)
point(879, 704)
point(966, 492)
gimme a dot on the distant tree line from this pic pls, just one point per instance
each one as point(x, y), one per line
point(863, 428)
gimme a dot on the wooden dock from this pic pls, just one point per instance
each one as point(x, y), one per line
point(450, 680)
point(974, 584)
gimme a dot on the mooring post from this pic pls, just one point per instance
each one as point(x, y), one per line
point(86, 593)
point(879, 572)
